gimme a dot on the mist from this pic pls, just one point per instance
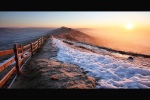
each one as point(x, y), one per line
point(137, 41)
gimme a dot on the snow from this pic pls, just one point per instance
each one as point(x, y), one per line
point(7, 61)
point(120, 55)
point(108, 71)
point(11, 58)
point(25, 54)
point(95, 49)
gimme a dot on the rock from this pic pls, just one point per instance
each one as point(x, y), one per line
point(130, 58)
point(54, 77)
point(85, 72)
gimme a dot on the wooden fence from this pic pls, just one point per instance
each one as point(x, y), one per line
point(20, 54)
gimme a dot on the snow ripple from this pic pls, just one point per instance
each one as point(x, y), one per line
point(110, 72)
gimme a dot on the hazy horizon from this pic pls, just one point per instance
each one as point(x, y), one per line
point(120, 29)
point(133, 41)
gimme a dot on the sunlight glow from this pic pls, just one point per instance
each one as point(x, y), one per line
point(129, 26)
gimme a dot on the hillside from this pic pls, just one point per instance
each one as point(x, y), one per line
point(10, 36)
point(44, 71)
point(78, 35)
point(80, 66)
point(72, 34)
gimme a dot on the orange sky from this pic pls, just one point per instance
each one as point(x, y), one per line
point(111, 25)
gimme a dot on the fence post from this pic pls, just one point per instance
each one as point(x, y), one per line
point(22, 57)
point(38, 43)
point(42, 40)
point(31, 49)
point(17, 59)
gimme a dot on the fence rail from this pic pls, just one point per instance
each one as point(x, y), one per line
point(20, 54)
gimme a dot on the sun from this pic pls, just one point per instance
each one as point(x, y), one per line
point(129, 26)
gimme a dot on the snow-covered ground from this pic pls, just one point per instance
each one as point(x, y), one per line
point(107, 70)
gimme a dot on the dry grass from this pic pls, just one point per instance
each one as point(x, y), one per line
point(43, 72)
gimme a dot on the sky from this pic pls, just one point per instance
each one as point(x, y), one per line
point(75, 19)
point(121, 27)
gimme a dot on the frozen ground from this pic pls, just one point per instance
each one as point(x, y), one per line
point(111, 70)
point(43, 71)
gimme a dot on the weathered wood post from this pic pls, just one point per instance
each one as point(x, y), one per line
point(17, 59)
point(31, 49)
point(38, 43)
point(22, 51)
point(42, 39)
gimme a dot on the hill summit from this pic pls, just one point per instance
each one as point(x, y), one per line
point(72, 34)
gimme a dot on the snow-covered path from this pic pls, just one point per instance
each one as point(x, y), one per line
point(108, 71)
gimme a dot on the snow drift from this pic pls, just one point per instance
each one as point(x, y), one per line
point(108, 71)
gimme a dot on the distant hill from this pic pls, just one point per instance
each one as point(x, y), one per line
point(73, 35)
point(10, 36)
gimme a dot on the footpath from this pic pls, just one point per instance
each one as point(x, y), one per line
point(44, 71)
